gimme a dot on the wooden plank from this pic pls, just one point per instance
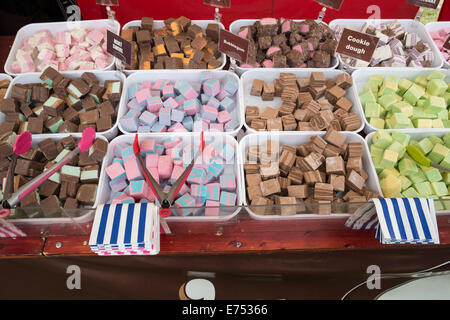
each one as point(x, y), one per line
point(21, 247)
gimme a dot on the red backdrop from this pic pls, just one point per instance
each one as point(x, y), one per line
point(241, 9)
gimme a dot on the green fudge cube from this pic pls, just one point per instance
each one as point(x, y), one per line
point(391, 186)
point(446, 123)
point(446, 96)
point(423, 123)
point(437, 124)
point(434, 104)
point(407, 167)
point(436, 75)
point(432, 174)
point(387, 172)
point(446, 161)
point(389, 159)
point(397, 147)
point(446, 140)
point(366, 97)
point(443, 114)
point(419, 113)
point(392, 78)
point(403, 107)
point(445, 201)
point(446, 177)
point(376, 151)
point(424, 188)
point(436, 87)
point(421, 80)
point(372, 110)
point(417, 177)
point(410, 193)
point(377, 123)
point(377, 79)
point(406, 183)
point(434, 140)
point(386, 101)
point(439, 188)
point(438, 153)
point(388, 87)
point(403, 86)
point(382, 139)
point(413, 94)
point(401, 137)
point(425, 145)
point(400, 121)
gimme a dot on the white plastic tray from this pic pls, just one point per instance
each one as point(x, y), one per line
point(84, 218)
point(362, 76)
point(298, 139)
point(237, 24)
point(270, 75)
point(436, 26)
point(415, 135)
point(408, 25)
point(188, 75)
point(101, 75)
point(191, 138)
point(159, 24)
point(30, 29)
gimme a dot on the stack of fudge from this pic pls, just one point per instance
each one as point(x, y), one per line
point(307, 177)
point(392, 102)
point(77, 49)
point(180, 44)
point(212, 182)
point(283, 43)
point(302, 105)
point(182, 106)
point(396, 48)
point(74, 186)
point(401, 177)
point(61, 105)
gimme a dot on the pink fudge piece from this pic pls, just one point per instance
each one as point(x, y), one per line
point(132, 169)
point(268, 64)
point(151, 160)
point(243, 33)
point(95, 36)
point(268, 21)
point(101, 63)
point(172, 144)
point(139, 189)
point(115, 171)
point(165, 167)
point(223, 116)
point(184, 189)
point(176, 173)
point(142, 95)
point(216, 127)
point(208, 153)
point(286, 26)
point(178, 127)
point(147, 145)
point(154, 173)
point(122, 199)
point(212, 212)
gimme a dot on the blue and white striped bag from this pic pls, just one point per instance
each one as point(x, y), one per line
point(125, 229)
point(406, 220)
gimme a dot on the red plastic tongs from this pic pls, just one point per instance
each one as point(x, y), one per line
point(165, 199)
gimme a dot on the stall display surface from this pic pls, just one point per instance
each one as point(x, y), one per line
point(241, 234)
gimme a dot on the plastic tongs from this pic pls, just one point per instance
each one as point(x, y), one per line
point(166, 199)
point(21, 146)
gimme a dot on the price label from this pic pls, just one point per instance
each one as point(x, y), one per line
point(433, 4)
point(357, 45)
point(107, 2)
point(333, 4)
point(447, 43)
point(233, 45)
point(218, 3)
point(118, 47)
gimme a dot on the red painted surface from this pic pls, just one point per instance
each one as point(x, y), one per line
point(247, 9)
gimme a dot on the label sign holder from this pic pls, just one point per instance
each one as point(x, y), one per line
point(432, 4)
point(233, 46)
point(357, 45)
point(119, 48)
point(332, 4)
point(447, 43)
point(108, 3)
